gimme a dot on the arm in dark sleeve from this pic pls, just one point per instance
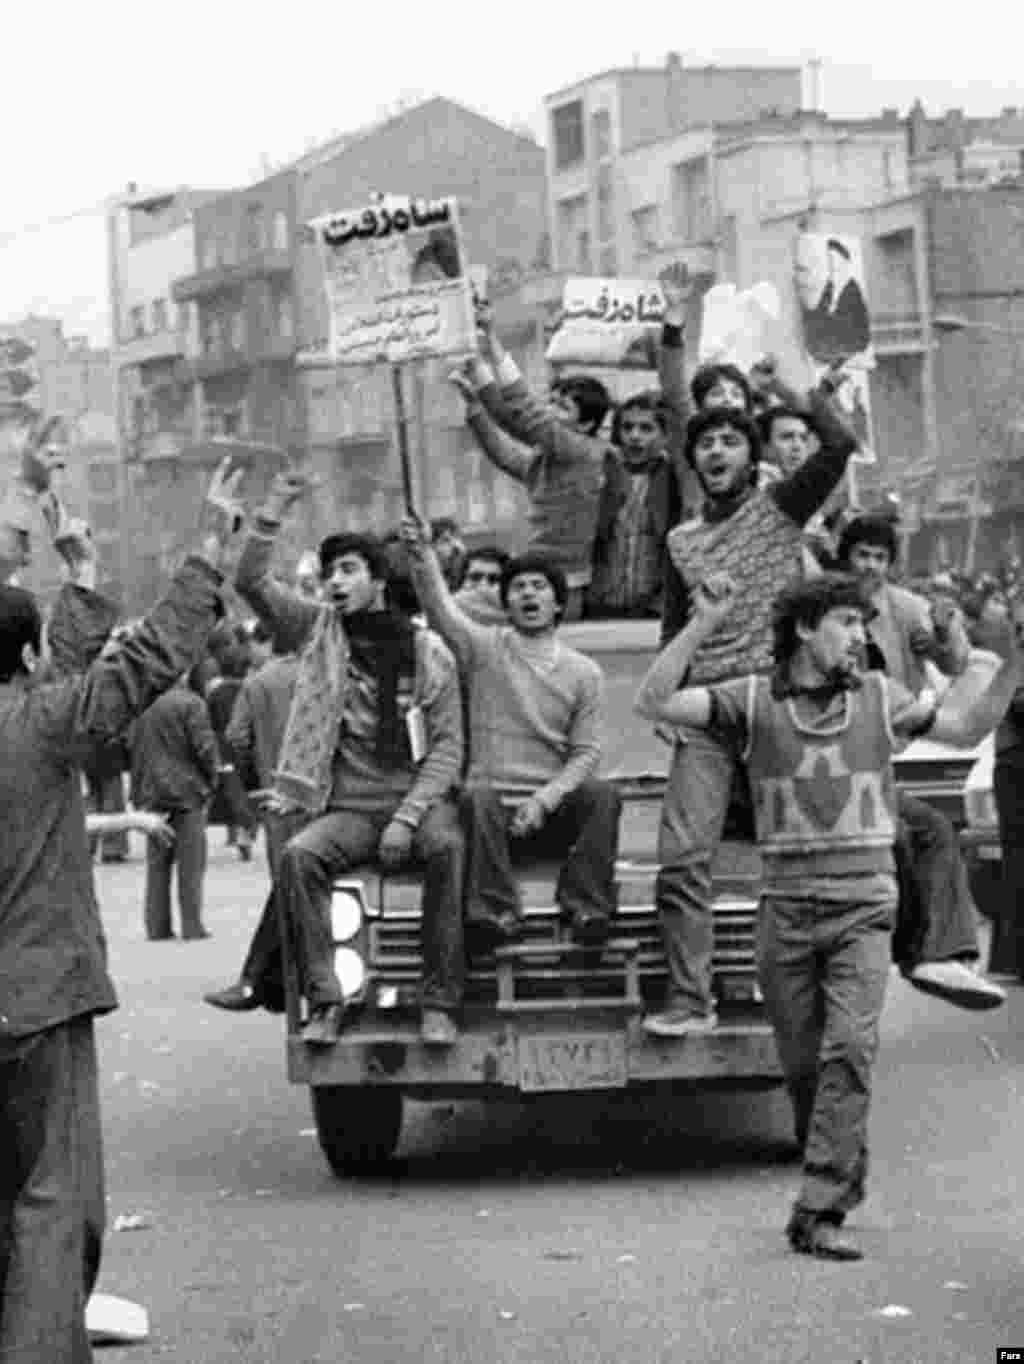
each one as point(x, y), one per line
point(241, 739)
point(79, 626)
point(805, 491)
point(203, 741)
point(674, 397)
point(78, 717)
point(288, 615)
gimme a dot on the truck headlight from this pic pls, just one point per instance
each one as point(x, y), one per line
point(346, 913)
point(350, 969)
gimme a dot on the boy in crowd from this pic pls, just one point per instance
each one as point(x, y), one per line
point(598, 512)
point(371, 752)
point(535, 716)
point(817, 738)
point(936, 944)
point(53, 971)
point(479, 592)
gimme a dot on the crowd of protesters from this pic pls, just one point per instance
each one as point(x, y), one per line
point(407, 700)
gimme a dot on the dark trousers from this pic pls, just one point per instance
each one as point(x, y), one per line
point(188, 854)
point(51, 1194)
point(583, 832)
point(105, 796)
point(263, 967)
point(823, 970)
point(1008, 935)
point(343, 839)
point(936, 919)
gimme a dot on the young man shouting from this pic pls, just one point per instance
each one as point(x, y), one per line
point(535, 718)
point(817, 738)
point(372, 752)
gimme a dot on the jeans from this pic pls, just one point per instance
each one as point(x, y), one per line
point(343, 839)
point(1008, 937)
point(583, 830)
point(188, 853)
point(823, 970)
point(700, 783)
point(936, 919)
point(51, 1193)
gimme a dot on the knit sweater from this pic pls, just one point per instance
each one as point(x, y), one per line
point(535, 721)
point(759, 541)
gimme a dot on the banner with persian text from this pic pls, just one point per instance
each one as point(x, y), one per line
point(396, 280)
point(607, 322)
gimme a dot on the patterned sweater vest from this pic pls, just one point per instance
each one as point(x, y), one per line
point(824, 796)
point(761, 548)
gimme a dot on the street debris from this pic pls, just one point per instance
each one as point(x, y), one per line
point(507, 1316)
point(307, 1131)
point(894, 1310)
point(562, 1255)
point(353, 1306)
point(132, 1221)
point(626, 1260)
point(954, 1283)
point(990, 1047)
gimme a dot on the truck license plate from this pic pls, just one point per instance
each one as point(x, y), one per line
point(576, 1061)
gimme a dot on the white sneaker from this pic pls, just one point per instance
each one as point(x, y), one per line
point(679, 1023)
point(958, 983)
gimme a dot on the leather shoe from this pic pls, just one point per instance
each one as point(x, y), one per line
point(324, 1026)
point(239, 998)
point(823, 1240)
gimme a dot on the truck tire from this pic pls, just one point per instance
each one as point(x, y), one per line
point(358, 1126)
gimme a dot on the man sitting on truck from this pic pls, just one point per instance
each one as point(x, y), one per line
point(817, 737)
point(372, 752)
point(536, 711)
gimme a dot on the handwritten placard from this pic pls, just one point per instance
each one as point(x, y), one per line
point(396, 281)
point(604, 320)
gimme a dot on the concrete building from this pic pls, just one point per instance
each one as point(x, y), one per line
point(953, 150)
point(497, 175)
point(597, 123)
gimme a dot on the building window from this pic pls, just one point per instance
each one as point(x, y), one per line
point(285, 317)
point(209, 257)
point(137, 320)
point(255, 236)
point(280, 230)
point(160, 314)
point(601, 134)
point(605, 213)
point(572, 225)
point(208, 333)
point(692, 200)
point(645, 229)
point(583, 257)
point(237, 330)
point(223, 420)
point(567, 126)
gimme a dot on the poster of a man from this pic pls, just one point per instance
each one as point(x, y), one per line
point(830, 288)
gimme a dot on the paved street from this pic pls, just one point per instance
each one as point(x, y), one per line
point(586, 1231)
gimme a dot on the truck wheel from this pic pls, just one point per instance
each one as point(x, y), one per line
point(358, 1126)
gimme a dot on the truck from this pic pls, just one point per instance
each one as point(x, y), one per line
point(545, 1016)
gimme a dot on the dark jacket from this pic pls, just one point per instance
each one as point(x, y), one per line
point(52, 949)
point(174, 754)
point(256, 729)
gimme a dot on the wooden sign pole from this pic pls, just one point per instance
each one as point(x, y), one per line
point(402, 427)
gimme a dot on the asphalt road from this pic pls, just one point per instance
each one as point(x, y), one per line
point(581, 1231)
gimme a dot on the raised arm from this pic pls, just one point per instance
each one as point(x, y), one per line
point(443, 614)
point(660, 698)
point(676, 289)
point(980, 697)
point(287, 614)
point(506, 454)
point(77, 717)
point(804, 492)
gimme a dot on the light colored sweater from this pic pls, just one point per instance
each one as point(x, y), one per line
point(536, 708)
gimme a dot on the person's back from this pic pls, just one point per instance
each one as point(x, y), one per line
point(174, 765)
point(266, 696)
